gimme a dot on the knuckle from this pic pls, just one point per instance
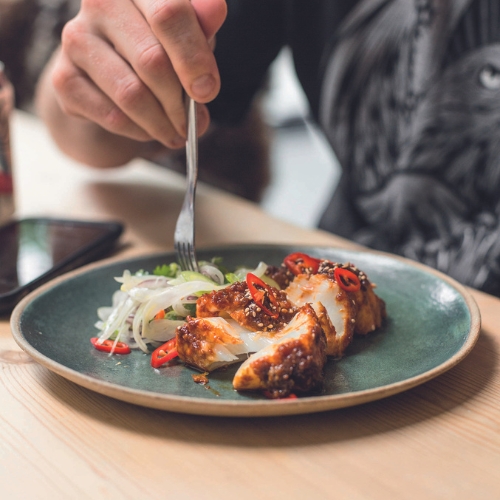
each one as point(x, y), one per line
point(115, 120)
point(167, 15)
point(62, 81)
point(71, 35)
point(129, 92)
point(92, 5)
point(67, 84)
point(153, 60)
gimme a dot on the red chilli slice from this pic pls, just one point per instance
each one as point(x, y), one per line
point(165, 353)
point(259, 291)
point(346, 279)
point(301, 263)
point(109, 346)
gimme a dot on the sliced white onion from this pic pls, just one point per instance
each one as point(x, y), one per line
point(169, 296)
point(161, 330)
point(259, 271)
point(213, 273)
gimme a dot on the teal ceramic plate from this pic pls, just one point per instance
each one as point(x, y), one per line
point(433, 323)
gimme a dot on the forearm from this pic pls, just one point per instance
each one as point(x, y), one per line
point(82, 139)
point(116, 86)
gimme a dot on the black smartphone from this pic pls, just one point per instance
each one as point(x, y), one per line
point(33, 251)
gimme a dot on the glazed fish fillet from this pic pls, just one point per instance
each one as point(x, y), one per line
point(293, 364)
point(342, 313)
point(371, 310)
point(335, 308)
point(236, 302)
point(211, 343)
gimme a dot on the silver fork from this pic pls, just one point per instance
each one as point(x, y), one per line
point(184, 229)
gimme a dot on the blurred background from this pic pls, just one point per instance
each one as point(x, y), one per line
point(303, 167)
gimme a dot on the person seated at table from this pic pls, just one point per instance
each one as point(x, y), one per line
point(407, 93)
point(30, 32)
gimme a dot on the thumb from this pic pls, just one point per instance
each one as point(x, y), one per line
point(211, 15)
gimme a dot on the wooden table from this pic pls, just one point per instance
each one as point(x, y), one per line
point(60, 441)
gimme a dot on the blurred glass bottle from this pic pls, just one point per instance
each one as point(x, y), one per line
point(7, 205)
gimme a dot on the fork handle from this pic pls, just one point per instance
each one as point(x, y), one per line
point(192, 151)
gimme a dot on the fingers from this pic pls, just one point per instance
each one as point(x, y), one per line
point(145, 75)
point(185, 33)
point(78, 96)
point(124, 64)
point(104, 88)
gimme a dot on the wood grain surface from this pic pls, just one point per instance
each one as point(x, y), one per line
point(58, 440)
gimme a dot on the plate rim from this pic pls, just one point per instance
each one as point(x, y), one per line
point(253, 408)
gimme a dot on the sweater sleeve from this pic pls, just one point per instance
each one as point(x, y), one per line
point(248, 42)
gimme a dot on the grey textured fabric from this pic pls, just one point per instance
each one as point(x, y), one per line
point(411, 105)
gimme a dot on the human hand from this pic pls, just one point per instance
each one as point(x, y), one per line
point(123, 64)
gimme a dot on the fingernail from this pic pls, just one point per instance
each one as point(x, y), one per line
point(203, 86)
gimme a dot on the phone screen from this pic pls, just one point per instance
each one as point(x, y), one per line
point(33, 248)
